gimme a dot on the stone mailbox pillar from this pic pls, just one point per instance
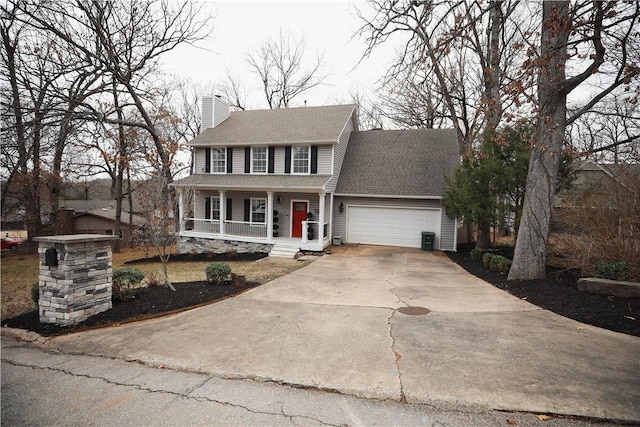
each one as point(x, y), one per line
point(75, 277)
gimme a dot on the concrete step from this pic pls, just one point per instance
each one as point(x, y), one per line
point(284, 250)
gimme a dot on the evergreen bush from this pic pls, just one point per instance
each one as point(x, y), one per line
point(217, 272)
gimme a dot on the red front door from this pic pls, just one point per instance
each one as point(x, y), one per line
point(299, 215)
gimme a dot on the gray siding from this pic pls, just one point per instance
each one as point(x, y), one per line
point(446, 235)
point(324, 159)
point(338, 155)
point(198, 162)
point(238, 160)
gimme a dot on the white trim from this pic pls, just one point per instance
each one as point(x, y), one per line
point(224, 149)
point(251, 199)
point(455, 235)
point(272, 143)
point(291, 210)
point(308, 172)
point(211, 218)
point(353, 118)
point(266, 162)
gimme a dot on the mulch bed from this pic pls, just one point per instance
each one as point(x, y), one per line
point(148, 303)
point(559, 293)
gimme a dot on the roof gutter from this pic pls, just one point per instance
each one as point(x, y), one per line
point(388, 196)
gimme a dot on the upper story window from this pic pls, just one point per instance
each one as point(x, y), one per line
point(301, 159)
point(218, 160)
point(259, 159)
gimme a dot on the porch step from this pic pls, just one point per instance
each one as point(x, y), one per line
point(285, 250)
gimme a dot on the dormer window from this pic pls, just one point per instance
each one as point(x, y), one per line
point(218, 160)
point(259, 159)
point(301, 159)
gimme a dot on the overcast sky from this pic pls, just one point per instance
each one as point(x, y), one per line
point(242, 26)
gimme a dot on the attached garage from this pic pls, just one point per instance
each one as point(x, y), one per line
point(391, 226)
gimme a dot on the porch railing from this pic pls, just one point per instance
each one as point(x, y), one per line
point(231, 228)
point(314, 226)
point(202, 225)
point(245, 229)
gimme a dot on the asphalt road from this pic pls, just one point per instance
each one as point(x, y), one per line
point(44, 387)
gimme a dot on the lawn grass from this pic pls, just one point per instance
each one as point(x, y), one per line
point(20, 272)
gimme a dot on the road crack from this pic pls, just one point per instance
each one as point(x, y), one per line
point(187, 394)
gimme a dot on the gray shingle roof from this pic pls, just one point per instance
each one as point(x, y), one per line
point(408, 163)
point(279, 126)
point(263, 182)
point(106, 213)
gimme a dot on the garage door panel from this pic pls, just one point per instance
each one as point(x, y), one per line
point(390, 226)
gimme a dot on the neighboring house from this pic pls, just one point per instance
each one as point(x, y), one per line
point(103, 221)
point(599, 177)
point(289, 179)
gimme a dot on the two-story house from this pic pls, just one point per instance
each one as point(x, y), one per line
point(285, 180)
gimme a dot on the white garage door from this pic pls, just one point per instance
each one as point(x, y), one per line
point(391, 226)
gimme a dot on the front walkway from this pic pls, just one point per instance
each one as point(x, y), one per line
point(336, 325)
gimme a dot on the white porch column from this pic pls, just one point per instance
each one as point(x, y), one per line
point(305, 232)
point(331, 215)
point(269, 216)
point(223, 211)
point(321, 200)
point(180, 212)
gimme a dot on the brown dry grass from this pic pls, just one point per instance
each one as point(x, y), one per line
point(20, 272)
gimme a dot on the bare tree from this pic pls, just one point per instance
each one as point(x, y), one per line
point(161, 225)
point(591, 39)
point(409, 97)
point(280, 64)
point(609, 132)
point(453, 69)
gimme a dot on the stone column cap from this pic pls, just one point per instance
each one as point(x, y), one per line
point(75, 238)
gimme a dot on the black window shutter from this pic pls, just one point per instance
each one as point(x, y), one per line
point(207, 160)
point(287, 159)
point(314, 159)
point(247, 159)
point(207, 208)
point(229, 159)
point(272, 159)
point(247, 209)
point(228, 207)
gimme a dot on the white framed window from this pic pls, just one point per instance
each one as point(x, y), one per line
point(215, 208)
point(301, 159)
point(259, 211)
point(218, 160)
point(259, 159)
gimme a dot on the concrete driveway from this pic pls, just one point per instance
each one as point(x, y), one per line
point(337, 324)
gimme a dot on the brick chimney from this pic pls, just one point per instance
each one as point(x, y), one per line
point(214, 111)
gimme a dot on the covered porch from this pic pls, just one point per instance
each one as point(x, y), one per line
point(270, 217)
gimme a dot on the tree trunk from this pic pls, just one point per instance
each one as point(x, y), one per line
point(530, 255)
point(484, 236)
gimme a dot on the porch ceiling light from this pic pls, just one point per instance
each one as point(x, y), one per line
point(277, 200)
point(341, 207)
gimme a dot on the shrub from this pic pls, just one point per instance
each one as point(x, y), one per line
point(217, 272)
point(500, 264)
point(486, 258)
point(35, 292)
point(613, 271)
point(155, 278)
point(477, 254)
point(124, 281)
